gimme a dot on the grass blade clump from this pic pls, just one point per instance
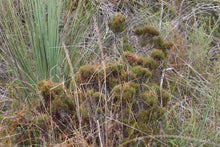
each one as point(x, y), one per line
point(32, 37)
point(43, 21)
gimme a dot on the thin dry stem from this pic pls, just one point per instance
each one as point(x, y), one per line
point(75, 86)
point(104, 69)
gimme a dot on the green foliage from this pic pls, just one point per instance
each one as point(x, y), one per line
point(126, 47)
point(158, 54)
point(44, 35)
point(117, 24)
point(87, 72)
point(127, 92)
point(167, 45)
point(147, 62)
point(160, 94)
point(62, 103)
point(148, 34)
point(98, 96)
point(141, 73)
point(160, 43)
point(142, 116)
point(149, 98)
point(114, 69)
point(130, 58)
point(49, 90)
point(54, 97)
point(41, 27)
point(146, 30)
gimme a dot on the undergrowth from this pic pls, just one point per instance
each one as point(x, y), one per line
point(109, 73)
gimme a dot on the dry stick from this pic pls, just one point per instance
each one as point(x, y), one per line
point(164, 72)
point(180, 13)
point(162, 78)
point(161, 15)
point(75, 86)
point(115, 44)
point(181, 6)
point(99, 133)
point(117, 52)
point(103, 64)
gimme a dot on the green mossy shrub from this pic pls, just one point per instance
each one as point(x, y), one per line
point(150, 36)
point(141, 73)
point(137, 106)
point(117, 24)
point(168, 45)
point(49, 90)
point(114, 75)
point(145, 34)
point(146, 30)
point(160, 94)
point(59, 104)
point(114, 68)
point(147, 62)
point(159, 43)
point(54, 94)
point(126, 93)
point(87, 72)
point(158, 54)
point(98, 97)
point(92, 77)
point(149, 98)
point(130, 58)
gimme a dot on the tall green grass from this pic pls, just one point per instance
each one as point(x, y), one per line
point(43, 20)
point(31, 36)
point(32, 32)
